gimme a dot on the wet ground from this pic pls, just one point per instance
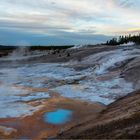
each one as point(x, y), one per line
point(36, 126)
point(28, 91)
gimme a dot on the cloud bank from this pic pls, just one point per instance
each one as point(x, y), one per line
point(56, 22)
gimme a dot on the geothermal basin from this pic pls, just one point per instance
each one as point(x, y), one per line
point(46, 97)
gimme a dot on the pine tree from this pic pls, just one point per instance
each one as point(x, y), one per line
point(124, 39)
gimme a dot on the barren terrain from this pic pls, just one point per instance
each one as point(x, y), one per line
point(94, 82)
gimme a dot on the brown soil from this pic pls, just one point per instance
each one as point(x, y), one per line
point(34, 126)
point(120, 120)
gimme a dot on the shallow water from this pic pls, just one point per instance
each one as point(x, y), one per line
point(57, 117)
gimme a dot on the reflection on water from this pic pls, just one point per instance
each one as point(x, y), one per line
point(57, 117)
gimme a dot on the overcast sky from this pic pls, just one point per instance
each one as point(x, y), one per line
point(60, 22)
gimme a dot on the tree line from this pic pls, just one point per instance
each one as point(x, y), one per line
point(4, 47)
point(124, 39)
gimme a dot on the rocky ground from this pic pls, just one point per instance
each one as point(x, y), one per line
point(94, 82)
point(120, 120)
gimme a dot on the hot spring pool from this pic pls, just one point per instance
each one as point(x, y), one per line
point(59, 116)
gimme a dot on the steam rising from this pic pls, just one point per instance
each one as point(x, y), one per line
point(97, 83)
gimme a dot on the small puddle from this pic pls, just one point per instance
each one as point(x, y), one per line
point(59, 116)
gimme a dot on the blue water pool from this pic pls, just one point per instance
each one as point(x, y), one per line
point(59, 116)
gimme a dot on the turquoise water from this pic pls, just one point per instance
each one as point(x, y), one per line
point(60, 116)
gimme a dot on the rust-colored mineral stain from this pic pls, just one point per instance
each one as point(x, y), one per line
point(34, 126)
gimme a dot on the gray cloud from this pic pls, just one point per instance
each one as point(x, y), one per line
point(70, 19)
point(61, 38)
point(126, 3)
